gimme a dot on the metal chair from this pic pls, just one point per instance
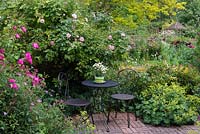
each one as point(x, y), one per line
point(76, 102)
point(126, 78)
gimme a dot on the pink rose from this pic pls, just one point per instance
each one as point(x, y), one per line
point(68, 35)
point(111, 47)
point(2, 56)
point(14, 86)
point(52, 43)
point(81, 39)
point(14, 27)
point(191, 46)
point(20, 61)
point(35, 45)
point(17, 36)
point(28, 57)
point(11, 80)
point(110, 37)
point(23, 29)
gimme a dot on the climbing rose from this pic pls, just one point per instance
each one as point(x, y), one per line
point(35, 45)
point(110, 37)
point(17, 36)
point(14, 86)
point(81, 39)
point(14, 27)
point(11, 80)
point(28, 57)
point(20, 61)
point(111, 47)
point(68, 35)
point(23, 28)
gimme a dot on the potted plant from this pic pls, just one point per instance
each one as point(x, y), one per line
point(99, 71)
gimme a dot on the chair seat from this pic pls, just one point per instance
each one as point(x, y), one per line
point(122, 96)
point(77, 102)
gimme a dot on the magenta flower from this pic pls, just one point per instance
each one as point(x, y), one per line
point(14, 86)
point(17, 36)
point(23, 28)
point(35, 45)
point(35, 81)
point(2, 51)
point(28, 57)
point(11, 80)
point(14, 27)
point(110, 37)
point(81, 39)
point(2, 56)
point(20, 61)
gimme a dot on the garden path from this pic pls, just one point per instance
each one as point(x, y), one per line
point(119, 126)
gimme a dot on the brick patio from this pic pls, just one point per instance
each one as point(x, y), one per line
point(119, 126)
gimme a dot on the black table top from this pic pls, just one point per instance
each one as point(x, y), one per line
point(107, 84)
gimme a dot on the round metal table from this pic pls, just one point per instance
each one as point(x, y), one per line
point(99, 90)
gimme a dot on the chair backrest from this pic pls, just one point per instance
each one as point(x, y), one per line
point(126, 78)
point(63, 82)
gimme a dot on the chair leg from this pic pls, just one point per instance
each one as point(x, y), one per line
point(90, 112)
point(116, 108)
point(128, 117)
point(109, 110)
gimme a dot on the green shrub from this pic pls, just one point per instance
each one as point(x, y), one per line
point(166, 105)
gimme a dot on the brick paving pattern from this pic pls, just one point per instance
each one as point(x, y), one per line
point(119, 125)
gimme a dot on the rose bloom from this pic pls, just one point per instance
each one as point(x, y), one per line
point(68, 35)
point(14, 27)
point(23, 29)
point(111, 47)
point(52, 43)
point(14, 86)
point(28, 57)
point(20, 61)
point(81, 39)
point(42, 20)
point(11, 80)
point(17, 36)
point(110, 37)
point(74, 16)
point(35, 45)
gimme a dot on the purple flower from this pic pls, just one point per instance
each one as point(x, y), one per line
point(23, 28)
point(17, 36)
point(2, 51)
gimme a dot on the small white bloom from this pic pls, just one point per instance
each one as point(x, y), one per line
point(68, 35)
point(39, 100)
point(42, 20)
point(110, 37)
point(123, 34)
point(74, 16)
point(5, 113)
point(86, 19)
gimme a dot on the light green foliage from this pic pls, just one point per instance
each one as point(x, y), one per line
point(133, 13)
point(166, 105)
